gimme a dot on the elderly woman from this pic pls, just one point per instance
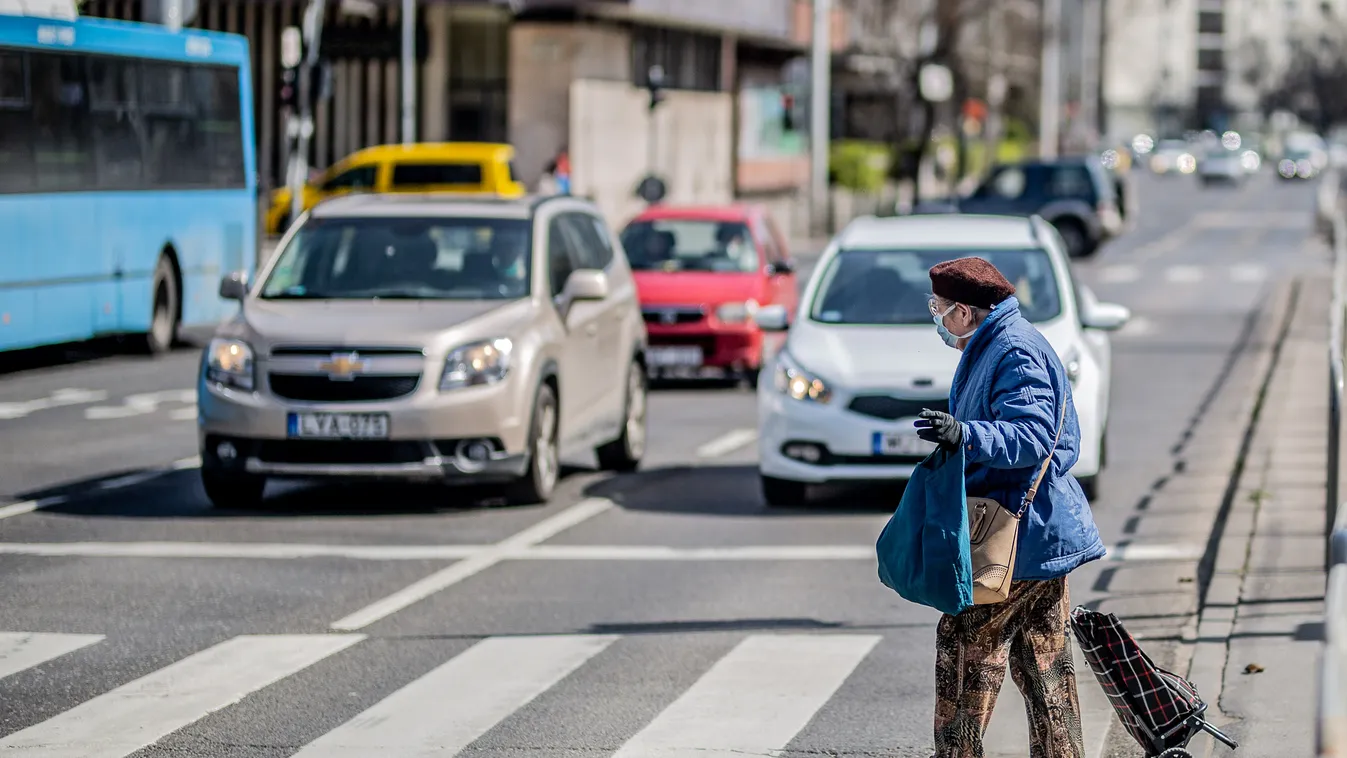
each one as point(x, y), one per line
point(1006, 399)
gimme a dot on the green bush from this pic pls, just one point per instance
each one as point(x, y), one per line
point(858, 165)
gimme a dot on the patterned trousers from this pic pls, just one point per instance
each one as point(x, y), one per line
point(1028, 629)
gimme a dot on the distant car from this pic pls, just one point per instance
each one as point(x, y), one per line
point(1220, 165)
point(1172, 156)
point(1076, 195)
point(426, 338)
point(837, 402)
point(701, 274)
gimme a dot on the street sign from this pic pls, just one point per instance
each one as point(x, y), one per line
point(292, 47)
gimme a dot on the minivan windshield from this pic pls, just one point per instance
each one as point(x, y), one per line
point(891, 287)
point(690, 245)
point(404, 258)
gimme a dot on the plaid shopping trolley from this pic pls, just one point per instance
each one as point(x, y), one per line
point(1161, 710)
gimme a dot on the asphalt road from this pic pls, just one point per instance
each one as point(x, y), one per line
point(665, 612)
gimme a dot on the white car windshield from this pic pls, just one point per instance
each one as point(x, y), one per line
point(399, 258)
point(891, 287)
point(690, 245)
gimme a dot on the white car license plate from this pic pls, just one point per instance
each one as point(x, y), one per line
point(680, 357)
point(338, 426)
point(894, 443)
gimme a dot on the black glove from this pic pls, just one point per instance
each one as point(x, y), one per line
point(940, 428)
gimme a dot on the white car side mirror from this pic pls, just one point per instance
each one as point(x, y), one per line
point(1106, 316)
point(772, 318)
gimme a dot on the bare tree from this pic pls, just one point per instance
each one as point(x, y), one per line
point(1314, 79)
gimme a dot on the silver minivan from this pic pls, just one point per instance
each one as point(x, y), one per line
point(464, 339)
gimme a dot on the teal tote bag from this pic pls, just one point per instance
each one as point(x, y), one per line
point(923, 551)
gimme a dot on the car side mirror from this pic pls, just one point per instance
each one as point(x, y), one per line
point(772, 318)
point(234, 286)
point(586, 284)
point(780, 268)
point(1106, 316)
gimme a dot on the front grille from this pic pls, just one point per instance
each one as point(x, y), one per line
point(673, 315)
point(338, 452)
point(317, 388)
point(707, 344)
point(892, 408)
point(323, 352)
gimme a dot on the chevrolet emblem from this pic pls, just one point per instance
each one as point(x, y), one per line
point(343, 367)
point(669, 317)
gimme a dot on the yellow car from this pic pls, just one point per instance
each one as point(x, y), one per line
point(428, 167)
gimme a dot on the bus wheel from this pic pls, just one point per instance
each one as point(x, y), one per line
point(164, 318)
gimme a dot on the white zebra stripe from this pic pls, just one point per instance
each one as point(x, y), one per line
point(21, 650)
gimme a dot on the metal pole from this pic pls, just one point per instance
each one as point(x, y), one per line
point(1050, 94)
point(1092, 41)
point(996, 82)
point(819, 110)
point(408, 71)
point(299, 164)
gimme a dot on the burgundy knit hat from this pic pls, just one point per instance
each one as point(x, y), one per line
point(971, 281)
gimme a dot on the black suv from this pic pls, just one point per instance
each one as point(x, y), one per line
point(1076, 195)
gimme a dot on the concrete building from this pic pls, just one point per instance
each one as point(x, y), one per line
point(1171, 65)
point(548, 74)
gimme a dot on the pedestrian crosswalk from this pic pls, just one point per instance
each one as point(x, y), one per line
point(754, 699)
point(1238, 273)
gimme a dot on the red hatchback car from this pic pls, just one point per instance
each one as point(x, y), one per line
point(701, 273)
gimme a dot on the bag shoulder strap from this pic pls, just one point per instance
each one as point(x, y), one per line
point(1047, 461)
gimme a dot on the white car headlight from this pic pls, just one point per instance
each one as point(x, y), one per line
point(736, 313)
point(230, 363)
point(1071, 362)
point(792, 380)
point(485, 362)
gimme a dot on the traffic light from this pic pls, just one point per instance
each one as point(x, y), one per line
point(289, 87)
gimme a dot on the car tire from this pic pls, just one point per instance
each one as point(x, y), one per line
point(163, 331)
point(784, 492)
point(543, 459)
point(232, 490)
point(1090, 484)
point(1074, 237)
point(749, 377)
point(624, 453)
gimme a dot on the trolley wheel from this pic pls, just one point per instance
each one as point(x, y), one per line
point(1176, 752)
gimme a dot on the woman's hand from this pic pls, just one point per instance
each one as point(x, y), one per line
point(940, 428)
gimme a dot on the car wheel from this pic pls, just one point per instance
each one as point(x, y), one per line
point(1090, 486)
point(750, 377)
point(784, 492)
point(232, 490)
point(1074, 237)
point(544, 461)
point(625, 453)
point(164, 316)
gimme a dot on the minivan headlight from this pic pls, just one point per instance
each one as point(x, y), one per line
point(736, 313)
point(485, 362)
point(792, 380)
point(230, 363)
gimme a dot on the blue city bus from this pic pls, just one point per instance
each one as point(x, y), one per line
point(127, 180)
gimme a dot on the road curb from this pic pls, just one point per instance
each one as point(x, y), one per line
point(1221, 572)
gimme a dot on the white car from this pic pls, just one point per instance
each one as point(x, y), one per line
point(837, 402)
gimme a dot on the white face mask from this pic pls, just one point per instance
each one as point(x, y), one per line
point(949, 337)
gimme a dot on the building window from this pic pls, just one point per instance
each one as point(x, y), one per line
point(1210, 22)
point(690, 60)
point(479, 93)
point(1210, 60)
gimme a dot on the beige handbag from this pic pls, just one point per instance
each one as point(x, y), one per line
point(993, 535)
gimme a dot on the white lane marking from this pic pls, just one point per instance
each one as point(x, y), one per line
point(1119, 274)
point(129, 480)
point(27, 506)
point(444, 711)
point(186, 463)
point(140, 713)
point(1248, 272)
point(1157, 552)
point(184, 414)
point(727, 443)
point(22, 650)
point(724, 714)
point(57, 399)
point(246, 551)
point(1137, 326)
point(141, 404)
point(447, 577)
point(1183, 274)
point(662, 553)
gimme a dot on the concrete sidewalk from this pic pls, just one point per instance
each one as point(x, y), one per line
point(1257, 645)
